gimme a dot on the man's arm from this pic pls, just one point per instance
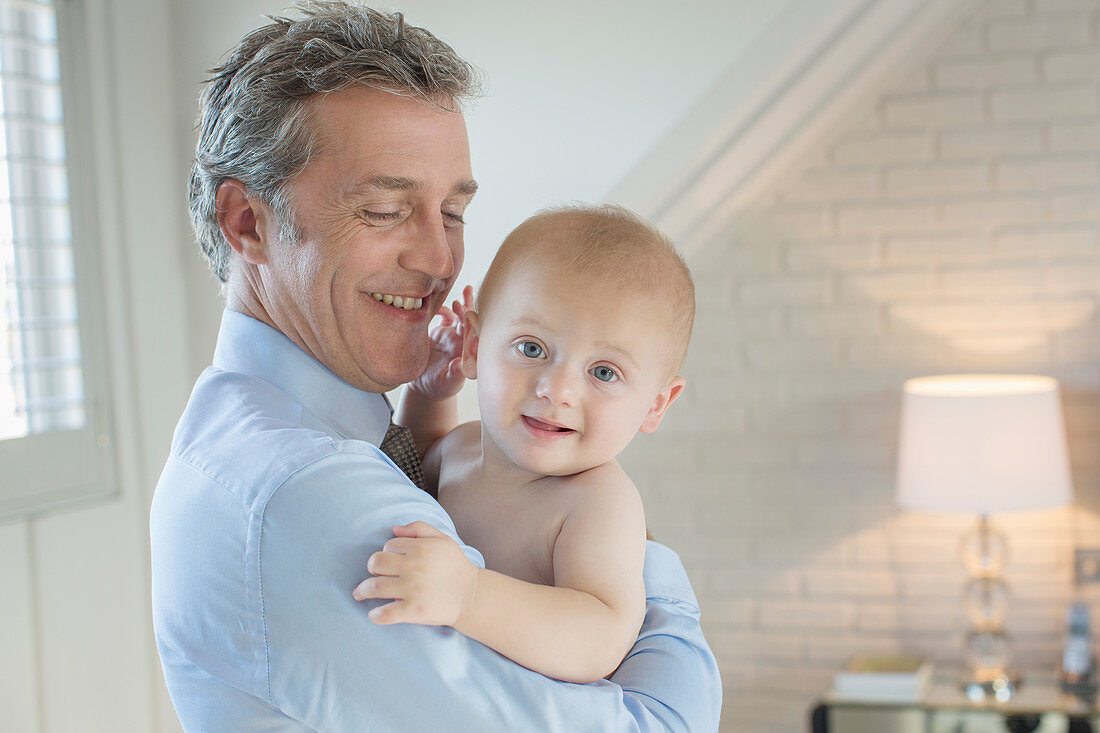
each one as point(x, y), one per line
point(329, 666)
point(671, 642)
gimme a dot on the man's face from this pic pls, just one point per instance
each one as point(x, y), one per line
point(379, 208)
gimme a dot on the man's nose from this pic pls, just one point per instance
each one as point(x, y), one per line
point(428, 249)
point(557, 385)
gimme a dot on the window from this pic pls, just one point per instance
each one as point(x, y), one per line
point(53, 439)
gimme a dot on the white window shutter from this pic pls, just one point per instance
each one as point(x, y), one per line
point(54, 431)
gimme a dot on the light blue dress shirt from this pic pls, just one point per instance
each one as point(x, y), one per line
point(271, 501)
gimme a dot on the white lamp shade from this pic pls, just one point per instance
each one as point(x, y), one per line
point(982, 444)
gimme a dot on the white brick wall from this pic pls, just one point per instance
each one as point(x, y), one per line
point(955, 229)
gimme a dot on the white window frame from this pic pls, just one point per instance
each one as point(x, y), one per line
point(46, 471)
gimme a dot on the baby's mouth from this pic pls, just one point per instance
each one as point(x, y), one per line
point(543, 425)
point(398, 301)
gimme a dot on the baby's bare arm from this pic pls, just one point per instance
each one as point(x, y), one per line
point(428, 419)
point(429, 404)
point(579, 629)
point(576, 631)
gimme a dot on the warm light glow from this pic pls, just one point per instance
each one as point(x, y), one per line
point(982, 444)
point(981, 384)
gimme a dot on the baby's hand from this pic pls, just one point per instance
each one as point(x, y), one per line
point(442, 378)
point(430, 579)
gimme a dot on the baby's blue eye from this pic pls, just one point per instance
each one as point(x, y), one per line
point(531, 350)
point(605, 374)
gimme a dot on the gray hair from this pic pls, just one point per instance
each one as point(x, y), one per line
point(254, 124)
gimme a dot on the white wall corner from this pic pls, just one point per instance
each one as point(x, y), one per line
point(818, 61)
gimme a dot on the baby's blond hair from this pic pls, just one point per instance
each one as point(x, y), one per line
point(608, 245)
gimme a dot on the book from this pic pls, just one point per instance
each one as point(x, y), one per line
point(897, 678)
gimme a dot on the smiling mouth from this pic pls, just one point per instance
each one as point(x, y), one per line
point(407, 303)
point(541, 425)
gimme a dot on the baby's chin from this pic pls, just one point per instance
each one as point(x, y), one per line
point(560, 470)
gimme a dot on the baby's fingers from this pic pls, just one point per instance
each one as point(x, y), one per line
point(415, 529)
point(384, 563)
point(396, 612)
point(467, 303)
point(400, 545)
point(449, 317)
point(380, 586)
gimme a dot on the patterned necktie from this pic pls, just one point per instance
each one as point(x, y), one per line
point(400, 447)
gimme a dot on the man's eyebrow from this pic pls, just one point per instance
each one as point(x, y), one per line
point(384, 183)
point(467, 187)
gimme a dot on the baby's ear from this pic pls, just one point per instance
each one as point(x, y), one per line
point(660, 405)
point(470, 329)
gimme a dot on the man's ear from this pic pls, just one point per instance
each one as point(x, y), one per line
point(243, 220)
point(470, 328)
point(661, 404)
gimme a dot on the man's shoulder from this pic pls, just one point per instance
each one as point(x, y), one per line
point(249, 436)
point(231, 411)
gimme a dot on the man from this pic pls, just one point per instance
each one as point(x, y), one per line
point(330, 180)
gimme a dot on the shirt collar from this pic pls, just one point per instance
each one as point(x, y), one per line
point(248, 346)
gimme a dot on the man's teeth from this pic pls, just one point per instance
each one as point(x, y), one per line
point(399, 302)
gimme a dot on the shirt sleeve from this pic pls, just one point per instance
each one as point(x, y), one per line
point(330, 667)
point(670, 677)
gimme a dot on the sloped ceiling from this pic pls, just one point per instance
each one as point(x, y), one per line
point(766, 114)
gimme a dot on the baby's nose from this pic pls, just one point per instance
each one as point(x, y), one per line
point(558, 386)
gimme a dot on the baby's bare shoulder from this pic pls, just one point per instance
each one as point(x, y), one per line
point(606, 484)
point(462, 438)
point(604, 510)
point(444, 454)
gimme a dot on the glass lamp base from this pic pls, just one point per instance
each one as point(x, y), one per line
point(999, 686)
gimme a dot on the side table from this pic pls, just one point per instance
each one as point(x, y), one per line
point(1036, 708)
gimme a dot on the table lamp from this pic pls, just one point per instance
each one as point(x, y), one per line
point(983, 444)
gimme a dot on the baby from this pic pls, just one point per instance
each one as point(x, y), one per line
point(581, 326)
